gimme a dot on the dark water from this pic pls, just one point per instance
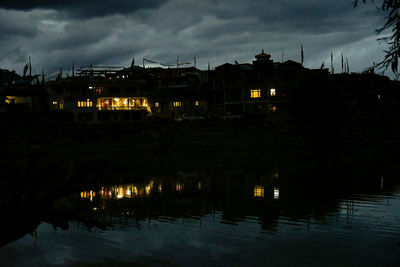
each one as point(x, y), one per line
point(243, 218)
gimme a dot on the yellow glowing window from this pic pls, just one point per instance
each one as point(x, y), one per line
point(258, 191)
point(156, 104)
point(177, 104)
point(197, 103)
point(84, 104)
point(272, 92)
point(55, 103)
point(255, 93)
point(272, 108)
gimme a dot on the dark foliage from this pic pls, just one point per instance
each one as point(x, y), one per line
point(391, 10)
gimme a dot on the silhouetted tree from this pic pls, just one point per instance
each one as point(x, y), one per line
point(391, 8)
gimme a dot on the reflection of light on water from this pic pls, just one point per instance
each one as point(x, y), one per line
point(135, 191)
point(179, 187)
point(120, 192)
point(147, 189)
point(258, 191)
point(88, 194)
point(276, 193)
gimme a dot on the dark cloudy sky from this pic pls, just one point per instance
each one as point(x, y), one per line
point(58, 33)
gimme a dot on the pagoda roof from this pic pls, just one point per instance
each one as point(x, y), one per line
point(263, 55)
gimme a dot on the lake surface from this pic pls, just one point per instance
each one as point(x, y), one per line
point(236, 218)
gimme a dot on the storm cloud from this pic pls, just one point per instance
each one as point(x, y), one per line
point(57, 34)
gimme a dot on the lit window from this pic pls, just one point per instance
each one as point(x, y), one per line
point(197, 103)
point(156, 104)
point(255, 93)
point(98, 90)
point(55, 103)
point(84, 104)
point(258, 191)
point(90, 87)
point(177, 104)
point(272, 108)
point(379, 97)
point(272, 92)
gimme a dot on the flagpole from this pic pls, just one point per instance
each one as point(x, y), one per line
point(30, 66)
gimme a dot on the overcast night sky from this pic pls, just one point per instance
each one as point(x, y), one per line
point(58, 33)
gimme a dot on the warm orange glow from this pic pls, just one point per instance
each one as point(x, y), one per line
point(122, 103)
point(258, 191)
point(256, 93)
point(197, 103)
point(272, 92)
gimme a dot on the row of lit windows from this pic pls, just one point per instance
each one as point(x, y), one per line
point(97, 89)
point(259, 192)
point(177, 104)
point(59, 103)
point(85, 104)
point(256, 93)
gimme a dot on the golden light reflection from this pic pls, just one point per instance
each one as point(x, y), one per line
point(276, 193)
point(258, 191)
point(179, 187)
point(88, 195)
point(148, 189)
